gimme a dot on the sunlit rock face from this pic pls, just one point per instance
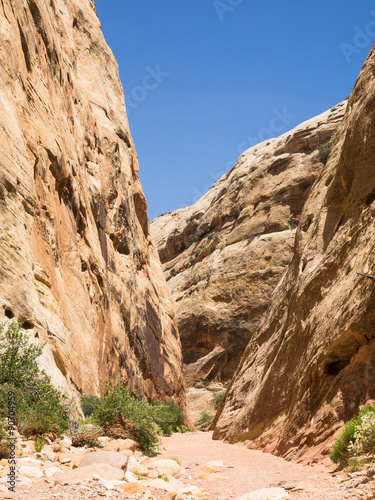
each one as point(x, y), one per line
point(77, 263)
point(311, 365)
point(224, 256)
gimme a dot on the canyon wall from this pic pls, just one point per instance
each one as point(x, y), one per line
point(78, 266)
point(311, 364)
point(224, 256)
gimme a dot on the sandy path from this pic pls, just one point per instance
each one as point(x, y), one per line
point(252, 470)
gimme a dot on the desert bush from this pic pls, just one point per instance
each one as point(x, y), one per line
point(353, 438)
point(205, 420)
point(39, 444)
point(86, 435)
point(136, 418)
point(324, 151)
point(218, 398)
point(40, 407)
point(89, 403)
point(364, 436)
point(4, 450)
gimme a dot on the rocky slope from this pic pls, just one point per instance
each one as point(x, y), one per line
point(224, 256)
point(312, 362)
point(78, 266)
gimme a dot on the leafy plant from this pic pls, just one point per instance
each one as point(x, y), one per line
point(218, 398)
point(164, 478)
point(205, 420)
point(176, 459)
point(355, 438)
point(86, 435)
point(325, 150)
point(40, 407)
point(145, 420)
point(89, 403)
point(4, 450)
point(39, 444)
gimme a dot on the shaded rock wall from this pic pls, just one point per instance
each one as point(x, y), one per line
point(312, 363)
point(77, 263)
point(224, 256)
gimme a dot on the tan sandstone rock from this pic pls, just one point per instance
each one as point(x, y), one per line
point(224, 256)
point(266, 494)
point(312, 363)
point(80, 474)
point(120, 445)
point(132, 488)
point(78, 266)
point(105, 457)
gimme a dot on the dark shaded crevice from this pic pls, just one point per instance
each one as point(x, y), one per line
point(25, 48)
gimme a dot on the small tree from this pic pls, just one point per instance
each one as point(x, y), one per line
point(39, 405)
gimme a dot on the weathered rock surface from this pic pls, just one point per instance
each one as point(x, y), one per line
point(224, 256)
point(77, 263)
point(312, 363)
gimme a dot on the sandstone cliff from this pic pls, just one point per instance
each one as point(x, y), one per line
point(224, 256)
point(312, 362)
point(78, 266)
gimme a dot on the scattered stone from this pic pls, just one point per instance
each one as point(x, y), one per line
point(266, 494)
point(80, 474)
point(132, 488)
point(189, 490)
point(31, 472)
point(52, 471)
point(121, 444)
point(66, 442)
point(105, 457)
point(212, 466)
point(165, 466)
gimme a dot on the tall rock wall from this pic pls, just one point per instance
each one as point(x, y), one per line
point(312, 363)
point(77, 263)
point(224, 256)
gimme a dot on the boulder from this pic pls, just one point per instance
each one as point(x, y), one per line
point(105, 457)
point(165, 466)
point(121, 444)
point(52, 471)
point(132, 488)
point(88, 472)
point(30, 472)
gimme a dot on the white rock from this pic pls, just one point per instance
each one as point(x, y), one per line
point(66, 442)
point(266, 494)
point(189, 490)
point(51, 471)
point(31, 472)
point(165, 466)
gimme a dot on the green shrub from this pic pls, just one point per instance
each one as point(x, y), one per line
point(4, 436)
point(39, 406)
point(85, 435)
point(353, 438)
point(89, 403)
point(146, 420)
point(218, 398)
point(168, 416)
point(39, 444)
point(324, 151)
point(205, 420)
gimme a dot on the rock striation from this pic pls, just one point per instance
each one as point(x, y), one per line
point(311, 364)
point(224, 256)
point(78, 266)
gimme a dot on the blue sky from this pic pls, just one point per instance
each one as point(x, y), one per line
point(206, 79)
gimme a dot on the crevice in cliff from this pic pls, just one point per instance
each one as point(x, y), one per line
point(25, 48)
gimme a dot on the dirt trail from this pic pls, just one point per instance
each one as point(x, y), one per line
point(253, 470)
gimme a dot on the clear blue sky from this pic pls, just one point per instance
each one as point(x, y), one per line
point(219, 72)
